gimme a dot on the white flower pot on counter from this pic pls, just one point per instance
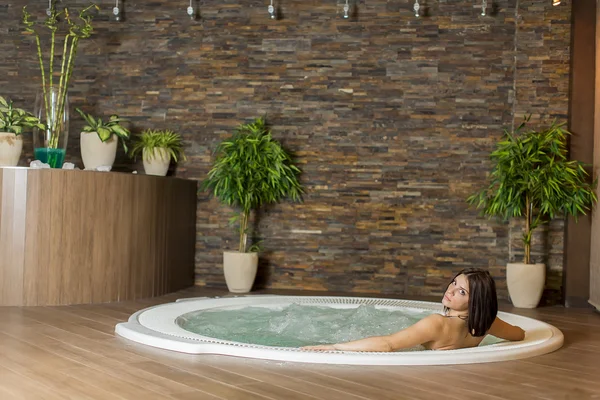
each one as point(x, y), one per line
point(10, 149)
point(96, 153)
point(156, 161)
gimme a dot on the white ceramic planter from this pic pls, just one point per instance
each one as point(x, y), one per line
point(156, 163)
point(525, 283)
point(96, 153)
point(240, 270)
point(10, 149)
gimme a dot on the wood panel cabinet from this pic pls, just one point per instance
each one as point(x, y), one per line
point(80, 237)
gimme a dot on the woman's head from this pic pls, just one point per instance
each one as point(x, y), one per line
point(473, 291)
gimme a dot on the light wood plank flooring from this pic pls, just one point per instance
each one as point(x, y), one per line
point(72, 353)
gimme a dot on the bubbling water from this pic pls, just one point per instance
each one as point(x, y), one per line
point(300, 325)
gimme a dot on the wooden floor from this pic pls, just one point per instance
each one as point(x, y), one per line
point(71, 352)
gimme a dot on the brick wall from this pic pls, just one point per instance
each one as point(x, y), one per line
point(391, 118)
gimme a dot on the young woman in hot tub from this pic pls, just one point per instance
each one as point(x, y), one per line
point(470, 308)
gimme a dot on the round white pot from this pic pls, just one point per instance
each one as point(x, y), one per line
point(156, 163)
point(10, 149)
point(525, 283)
point(240, 270)
point(96, 153)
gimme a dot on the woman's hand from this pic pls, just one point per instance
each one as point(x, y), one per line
point(321, 347)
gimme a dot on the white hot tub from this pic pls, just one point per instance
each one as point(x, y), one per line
point(160, 326)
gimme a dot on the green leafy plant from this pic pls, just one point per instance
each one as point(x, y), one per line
point(151, 139)
point(75, 32)
point(251, 170)
point(106, 130)
point(15, 119)
point(533, 178)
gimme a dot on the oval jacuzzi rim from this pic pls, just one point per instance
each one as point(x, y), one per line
point(142, 328)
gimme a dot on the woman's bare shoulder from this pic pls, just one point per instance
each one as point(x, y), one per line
point(434, 320)
point(439, 318)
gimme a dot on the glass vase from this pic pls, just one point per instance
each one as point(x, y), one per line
point(50, 144)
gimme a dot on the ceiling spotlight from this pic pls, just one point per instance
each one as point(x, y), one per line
point(556, 2)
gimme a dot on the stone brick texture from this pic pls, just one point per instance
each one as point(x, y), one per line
point(390, 117)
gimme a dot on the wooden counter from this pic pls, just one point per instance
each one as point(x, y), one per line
point(80, 237)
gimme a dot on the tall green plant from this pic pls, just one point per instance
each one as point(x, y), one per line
point(75, 33)
point(250, 170)
point(532, 178)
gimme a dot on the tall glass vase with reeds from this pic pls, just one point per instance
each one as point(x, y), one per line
point(52, 105)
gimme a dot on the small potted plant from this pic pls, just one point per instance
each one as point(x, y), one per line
point(158, 148)
point(533, 179)
point(99, 140)
point(12, 123)
point(250, 170)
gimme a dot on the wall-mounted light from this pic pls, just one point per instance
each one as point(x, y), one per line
point(346, 9)
point(271, 10)
point(417, 7)
point(49, 9)
point(483, 7)
point(556, 2)
point(116, 11)
point(190, 10)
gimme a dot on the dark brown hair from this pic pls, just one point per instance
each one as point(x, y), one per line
point(483, 303)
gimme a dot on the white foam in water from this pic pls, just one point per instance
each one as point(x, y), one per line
point(273, 327)
point(300, 325)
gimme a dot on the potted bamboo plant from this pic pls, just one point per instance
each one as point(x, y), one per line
point(12, 123)
point(250, 170)
point(52, 101)
point(533, 179)
point(99, 140)
point(158, 148)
